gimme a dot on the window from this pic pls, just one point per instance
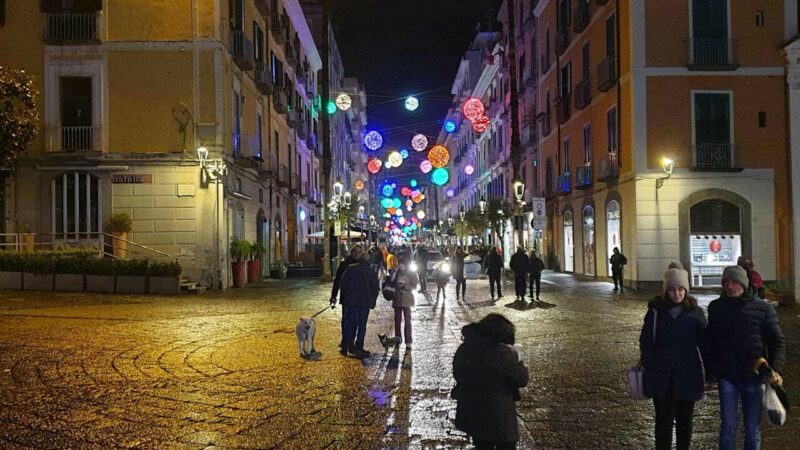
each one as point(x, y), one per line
point(547, 121)
point(611, 36)
point(565, 81)
point(276, 65)
point(762, 119)
point(258, 44)
point(76, 114)
point(548, 177)
point(260, 135)
point(710, 44)
point(236, 10)
point(613, 138)
point(237, 137)
point(2, 13)
point(587, 144)
point(585, 62)
point(546, 49)
point(712, 118)
point(566, 156)
point(75, 203)
point(564, 14)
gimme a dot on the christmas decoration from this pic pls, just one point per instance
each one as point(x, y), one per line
point(473, 108)
point(419, 142)
point(373, 140)
point(374, 165)
point(330, 108)
point(343, 101)
point(404, 153)
point(450, 193)
point(481, 124)
point(412, 103)
point(440, 177)
point(387, 190)
point(450, 126)
point(438, 156)
point(395, 159)
point(425, 166)
point(468, 169)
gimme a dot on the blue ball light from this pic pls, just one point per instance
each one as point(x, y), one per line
point(440, 177)
point(450, 126)
point(387, 190)
point(413, 183)
point(373, 140)
point(404, 153)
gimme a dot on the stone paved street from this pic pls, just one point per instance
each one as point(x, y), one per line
point(222, 370)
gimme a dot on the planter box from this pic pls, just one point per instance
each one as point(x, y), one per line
point(37, 282)
point(11, 280)
point(100, 283)
point(127, 284)
point(164, 285)
point(69, 282)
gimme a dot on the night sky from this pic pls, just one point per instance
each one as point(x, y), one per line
point(402, 47)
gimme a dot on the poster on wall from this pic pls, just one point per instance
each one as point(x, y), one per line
point(539, 221)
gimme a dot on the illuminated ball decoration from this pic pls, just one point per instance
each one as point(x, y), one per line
point(440, 177)
point(405, 191)
point(413, 183)
point(374, 165)
point(450, 193)
point(404, 153)
point(397, 203)
point(386, 203)
point(468, 169)
point(473, 108)
point(409, 203)
point(359, 184)
point(481, 124)
point(343, 101)
point(438, 156)
point(330, 108)
point(373, 140)
point(412, 103)
point(395, 159)
point(419, 142)
point(387, 190)
point(417, 198)
point(425, 166)
point(450, 126)
point(420, 214)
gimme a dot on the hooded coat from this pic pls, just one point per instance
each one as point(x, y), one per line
point(488, 377)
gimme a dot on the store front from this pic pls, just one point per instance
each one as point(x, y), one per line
point(569, 249)
point(715, 241)
point(613, 227)
point(588, 241)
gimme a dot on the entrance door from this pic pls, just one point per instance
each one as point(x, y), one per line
point(588, 241)
point(569, 249)
point(613, 236)
point(715, 241)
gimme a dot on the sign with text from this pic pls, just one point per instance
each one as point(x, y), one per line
point(539, 221)
point(131, 178)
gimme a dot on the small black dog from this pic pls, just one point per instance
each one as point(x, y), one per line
point(387, 342)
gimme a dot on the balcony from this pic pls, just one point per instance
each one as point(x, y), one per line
point(291, 55)
point(74, 139)
point(547, 123)
point(528, 132)
point(583, 94)
point(581, 17)
point(280, 99)
point(563, 184)
point(263, 79)
point(304, 190)
point(283, 176)
point(607, 73)
point(712, 54)
point(563, 109)
point(562, 41)
point(583, 177)
point(301, 75)
point(242, 50)
point(293, 119)
point(312, 144)
point(278, 30)
point(272, 165)
point(72, 28)
point(715, 157)
point(302, 130)
point(609, 168)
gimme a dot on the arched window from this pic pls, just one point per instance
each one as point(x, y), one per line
point(715, 241)
point(76, 203)
point(613, 229)
point(569, 252)
point(588, 240)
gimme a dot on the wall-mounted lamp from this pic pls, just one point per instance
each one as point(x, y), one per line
point(210, 170)
point(668, 165)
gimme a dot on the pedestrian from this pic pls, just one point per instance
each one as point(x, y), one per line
point(457, 267)
point(406, 280)
point(520, 264)
point(441, 274)
point(741, 330)
point(537, 266)
point(494, 268)
point(376, 260)
point(756, 282)
point(359, 294)
point(422, 268)
point(618, 261)
point(670, 344)
point(337, 282)
point(488, 375)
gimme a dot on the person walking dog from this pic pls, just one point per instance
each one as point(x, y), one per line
point(670, 343)
point(359, 294)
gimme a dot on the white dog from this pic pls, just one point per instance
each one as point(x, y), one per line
point(305, 330)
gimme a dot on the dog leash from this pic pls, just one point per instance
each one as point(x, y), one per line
point(320, 312)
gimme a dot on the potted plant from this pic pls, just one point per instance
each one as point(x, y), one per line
point(254, 264)
point(100, 275)
point(164, 278)
point(239, 251)
point(131, 276)
point(119, 225)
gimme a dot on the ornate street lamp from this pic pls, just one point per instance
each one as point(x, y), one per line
point(482, 204)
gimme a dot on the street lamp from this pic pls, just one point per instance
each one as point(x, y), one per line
point(461, 213)
point(372, 227)
point(482, 204)
point(346, 199)
point(519, 193)
point(667, 165)
point(337, 188)
point(213, 171)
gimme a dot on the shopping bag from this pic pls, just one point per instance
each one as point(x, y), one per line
point(636, 383)
point(776, 412)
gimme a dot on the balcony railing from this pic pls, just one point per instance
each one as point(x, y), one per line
point(278, 30)
point(312, 144)
point(583, 93)
point(280, 99)
point(283, 178)
point(547, 123)
point(607, 73)
point(272, 165)
point(563, 110)
point(263, 79)
point(74, 139)
point(563, 184)
point(583, 177)
point(242, 50)
point(291, 54)
point(71, 28)
point(712, 54)
point(714, 157)
point(609, 168)
point(581, 17)
point(562, 41)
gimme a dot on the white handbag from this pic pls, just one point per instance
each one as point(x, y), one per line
point(636, 373)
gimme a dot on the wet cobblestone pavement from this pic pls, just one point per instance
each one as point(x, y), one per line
point(222, 370)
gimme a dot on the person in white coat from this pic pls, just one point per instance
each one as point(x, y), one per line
point(407, 281)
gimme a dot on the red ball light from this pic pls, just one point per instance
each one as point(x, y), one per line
point(481, 124)
point(473, 108)
point(374, 165)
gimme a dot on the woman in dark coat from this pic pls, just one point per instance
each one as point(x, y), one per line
point(670, 348)
point(488, 376)
point(457, 267)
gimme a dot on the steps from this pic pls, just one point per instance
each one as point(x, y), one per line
point(190, 287)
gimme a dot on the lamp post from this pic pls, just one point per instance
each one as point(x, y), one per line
point(213, 171)
point(372, 224)
point(519, 193)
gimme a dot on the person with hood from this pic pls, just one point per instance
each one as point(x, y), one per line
point(741, 330)
point(756, 283)
point(359, 292)
point(494, 268)
point(488, 375)
point(406, 280)
point(618, 261)
point(457, 267)
point(520, 264)
point(537, 266)
point(670, 343)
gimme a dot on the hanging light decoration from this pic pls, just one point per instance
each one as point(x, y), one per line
point(359, 184)
point(420, 214)
point(481, 124)
point(396, 202)
point(468, 169)
point(374, 165)
point(386, 203)
point(343, 101)
point(440, 177)
point(409, 203)
point(373, 140)
point(425, 166)
point(404, 153)
point(413, 183)
point(395, 159)
point(330, 108)
point(417, 198)
point(387, 190)
point(405, 191)
point(450, 126)
point(412, 103)
point(438, 156)
point(419, 142)
point(473, 108)
point(450, 193)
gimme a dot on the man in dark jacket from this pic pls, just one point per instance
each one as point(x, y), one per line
point(457, 268)
point(359, 291)
point(520, 265)
point(494, 268)
point(618, 261)
point(537, 266)
point(422, 268)
point(741, 329)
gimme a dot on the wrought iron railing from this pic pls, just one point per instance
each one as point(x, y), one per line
point(278, 30)
point(64, 28)
point(583, 177)
point(583, 93)
point(607, 73)
point(242, 49)
point(563, 109)
point(263, 78)
point(283, 179)
point(564, 184)
point(609, 167)
point(714, 156)
point(713, 53)
point(74, 139)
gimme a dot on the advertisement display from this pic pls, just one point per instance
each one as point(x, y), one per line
point(710, 254)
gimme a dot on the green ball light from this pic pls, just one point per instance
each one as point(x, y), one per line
point(440, 177)
point(331, 107)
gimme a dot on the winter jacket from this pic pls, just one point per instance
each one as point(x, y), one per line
point(672, 364)
point(488, 378)
point(457, 265)
point(493, 264)
point(376, 258)
point(520, 264)
point(617, 260)
point(741, 330)
point(359, 285)
point(337, 280)
point(537, 266)
point(406, 283)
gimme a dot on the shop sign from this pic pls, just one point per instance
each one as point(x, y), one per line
point(131, 178)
